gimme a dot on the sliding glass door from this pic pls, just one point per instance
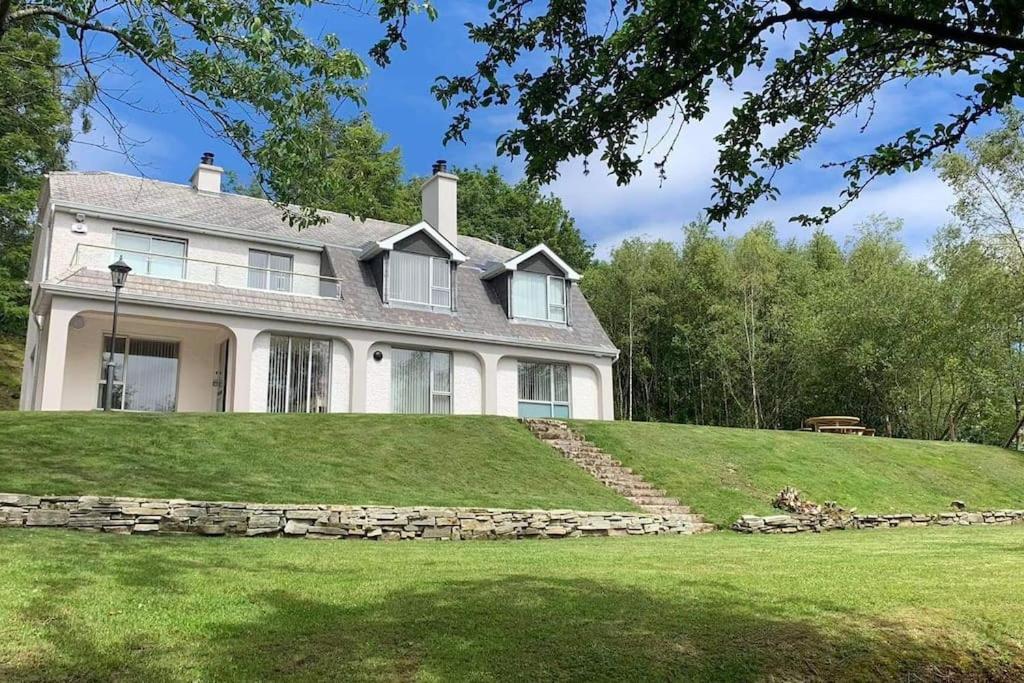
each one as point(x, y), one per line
point(145, 374)
point(300, 375)
point(421, 381)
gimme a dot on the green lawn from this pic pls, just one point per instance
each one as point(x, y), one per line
point(912, 605)
point(354, 459)
point(11, 350)
point(724, 473)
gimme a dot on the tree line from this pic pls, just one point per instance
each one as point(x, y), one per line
point(753, 331)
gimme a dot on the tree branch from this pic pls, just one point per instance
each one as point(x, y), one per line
point(883, 18)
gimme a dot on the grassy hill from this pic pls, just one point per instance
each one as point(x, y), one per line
point(724, 473)
point(911, 605)
point(356, 459)
point(11, 350)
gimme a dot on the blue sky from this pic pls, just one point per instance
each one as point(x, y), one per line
point(399, 100)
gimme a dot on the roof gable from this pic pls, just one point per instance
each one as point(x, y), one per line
point(541, 249)
point(421, 228)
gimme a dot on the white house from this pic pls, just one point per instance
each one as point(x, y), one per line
point(228, 308)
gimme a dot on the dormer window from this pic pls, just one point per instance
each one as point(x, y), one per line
point(414, 267)
point(538, 297)
point(534, 285)
point(419, 279)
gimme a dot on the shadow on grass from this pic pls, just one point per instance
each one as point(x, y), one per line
point(510, 628)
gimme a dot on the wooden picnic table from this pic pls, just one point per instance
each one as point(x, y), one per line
point(838, 424)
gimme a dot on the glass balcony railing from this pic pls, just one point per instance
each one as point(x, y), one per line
point(183, 269)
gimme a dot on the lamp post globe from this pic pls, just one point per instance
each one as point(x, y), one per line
point(119, 273)
point(118, 278)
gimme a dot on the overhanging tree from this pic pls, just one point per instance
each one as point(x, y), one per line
point(34, 131)
point(243, 68)
point(592, 77)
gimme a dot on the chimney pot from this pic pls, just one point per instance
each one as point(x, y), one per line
point(207, 158)
point(440, 166)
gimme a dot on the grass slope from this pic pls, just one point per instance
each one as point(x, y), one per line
point(724, 473)
point(357, 459)
point(11, 350)
point(923, 604)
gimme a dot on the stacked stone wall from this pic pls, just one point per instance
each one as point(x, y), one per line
point(796, 523)
point(155, 516)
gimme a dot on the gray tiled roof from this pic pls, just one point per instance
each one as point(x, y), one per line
point(479, 312)
point(171, 201)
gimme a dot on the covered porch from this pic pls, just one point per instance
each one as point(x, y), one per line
point(161, 365)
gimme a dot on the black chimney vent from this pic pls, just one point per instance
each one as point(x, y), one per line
point(440, 166)
point(207, 158)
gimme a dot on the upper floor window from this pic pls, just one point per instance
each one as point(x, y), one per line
point(418, 279)
point(268, 270)
point(152, 255)
point(538, 297)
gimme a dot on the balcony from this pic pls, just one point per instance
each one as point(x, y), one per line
point(183, 269)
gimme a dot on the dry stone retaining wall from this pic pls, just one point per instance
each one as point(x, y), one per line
point(796, 523)
point(149, 516)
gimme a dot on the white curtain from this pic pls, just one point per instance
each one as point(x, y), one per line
point(146, 378)
point(529, 295)
point(300, 375)
point(534, 381)
point(441, 389)
point(421, 382)
point(410, 381)
point(409, 277)
point(151, 380)
point(440, 282)
point(556, 299)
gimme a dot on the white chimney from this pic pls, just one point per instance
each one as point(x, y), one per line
point(206, 177)
point(440, 196)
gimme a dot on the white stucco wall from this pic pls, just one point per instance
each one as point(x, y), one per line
point(584, 393)
point(197, 360)
point(201, 249)
point(260, 373)
point(508, 387)
point(467, 384)
point(341, 376)
point(200, 331)
point(378, 380)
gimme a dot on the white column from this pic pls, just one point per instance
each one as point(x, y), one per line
point(360, 353)
point(56, 331)
point(241, 387)
point(28, 367)
point(606, 388)
point(490, 382)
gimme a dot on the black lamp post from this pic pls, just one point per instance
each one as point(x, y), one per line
point(118, 277)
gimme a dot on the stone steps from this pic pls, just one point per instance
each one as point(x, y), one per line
point(613, 474)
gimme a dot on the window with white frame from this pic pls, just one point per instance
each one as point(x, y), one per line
point(300, 375)
point(269, 270)
point(543, 389)
point(145, 374)
point(421, 381)
point(151, 254)
point(419, 279)
point(538, 297)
